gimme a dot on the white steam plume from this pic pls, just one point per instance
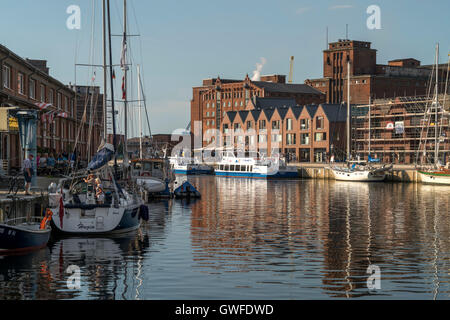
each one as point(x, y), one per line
point(257, 72)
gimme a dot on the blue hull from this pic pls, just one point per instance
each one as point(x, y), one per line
point(16, 238)
point(278, 175)
point(129, 221)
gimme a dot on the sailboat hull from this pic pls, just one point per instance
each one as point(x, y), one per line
point(434, 177)
point(359, 175)
point(97, 220)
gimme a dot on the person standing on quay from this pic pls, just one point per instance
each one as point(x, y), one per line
point(28, 173)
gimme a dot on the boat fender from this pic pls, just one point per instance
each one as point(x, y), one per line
point(143, 213)
point(47, 218)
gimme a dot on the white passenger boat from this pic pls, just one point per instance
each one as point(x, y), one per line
point(232, 166)
point(188, 166)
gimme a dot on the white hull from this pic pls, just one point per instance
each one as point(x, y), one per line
point(434, 179)
point(98, 220)
point(358, 175)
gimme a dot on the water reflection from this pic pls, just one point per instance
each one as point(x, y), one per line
point(324, 235)
point(257, 239)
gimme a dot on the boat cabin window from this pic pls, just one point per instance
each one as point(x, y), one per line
point(227, 167)
point(232, 167)
point(147, 166)
point(157, 165)
point(243, 168)
point(137, 165)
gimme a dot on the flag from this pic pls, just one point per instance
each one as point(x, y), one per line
point(93, 77)
point(114, 74)
point(124, 93)
point(123, 59)
point(61, 210)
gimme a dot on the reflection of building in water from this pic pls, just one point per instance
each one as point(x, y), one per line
point(386, 225)
point(332, 230)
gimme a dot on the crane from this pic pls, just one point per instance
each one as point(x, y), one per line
point(291, 69)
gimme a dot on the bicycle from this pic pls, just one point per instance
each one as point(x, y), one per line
point(15, 183)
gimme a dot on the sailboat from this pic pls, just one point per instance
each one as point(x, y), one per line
point(96, 203)
point(436, 173)
point(357, 170)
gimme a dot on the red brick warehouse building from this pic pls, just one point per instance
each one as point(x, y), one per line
point(211, 101)
point(400, 77)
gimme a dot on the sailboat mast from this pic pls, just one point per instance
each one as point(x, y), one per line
point(125, 68)
point(140, 117)
point(348, 111)
point(105, 84)
point(436, 145)
point(370, 121)
point(113, 110)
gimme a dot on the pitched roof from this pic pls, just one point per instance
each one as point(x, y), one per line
point(255, 113)
point(297, 110)
point(286, 87)
point(335, 112)
point(268, 112)
point(262, 103)
point(243, 115)
point(231, 115)
point(282, 111)
point(312, 109)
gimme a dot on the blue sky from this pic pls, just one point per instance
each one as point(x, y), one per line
point(183, 42)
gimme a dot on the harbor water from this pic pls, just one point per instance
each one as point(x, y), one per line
point(257, 239)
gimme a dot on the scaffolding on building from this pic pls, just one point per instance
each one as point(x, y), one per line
point(395, 129)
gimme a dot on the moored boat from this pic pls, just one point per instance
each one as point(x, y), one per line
point(435, 176)
point(18, 235)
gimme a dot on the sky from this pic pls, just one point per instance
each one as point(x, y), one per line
point(181, 43)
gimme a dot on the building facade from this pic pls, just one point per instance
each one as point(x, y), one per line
point(401, 77)
point(216, 97)
point(310, 133)
point(27, 84)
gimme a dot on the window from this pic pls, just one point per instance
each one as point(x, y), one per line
point(21, 83)
point(212, 114)
point(66, 104)
point(207, 114)
point(59, 100)
point(51, 96)
point(237, 126)
point(304, 124)
point(207, 122)
point(225, 128)
point(32, 89)
point(262, 124)
point(288, 124)
point(72, 109)
point(235, 103)
point(7, 77)
point(276, 125)
point(262, 138)
point(249, 124)
point(229, 103)
point(212, 122)
point(319, 123)
point(276, 137)
point(290, 138)
point(207, 105)
point(304, 138)
point(242, 103)
point(320, 136)
point(42, 93)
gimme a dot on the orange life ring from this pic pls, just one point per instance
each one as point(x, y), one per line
point(145, 174)
point(47, 217)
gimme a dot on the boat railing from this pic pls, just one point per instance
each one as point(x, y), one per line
point(15, 221)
